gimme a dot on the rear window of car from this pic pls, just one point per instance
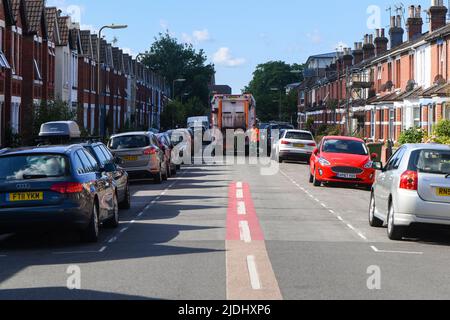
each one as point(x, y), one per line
point(431, 161)
point(345, 147)
point(298, 136)
point(31, 167)
point(129, 142)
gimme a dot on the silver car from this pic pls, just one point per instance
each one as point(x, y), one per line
point(294, 145)
point(142, 157)
point(413, 188)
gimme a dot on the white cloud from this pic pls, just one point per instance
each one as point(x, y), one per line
point(315, 36)
point(224, 57)
point(164, 24)
point(198, 36)
point(340, 46)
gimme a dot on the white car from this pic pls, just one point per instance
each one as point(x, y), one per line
point(294, 145)
point(413, 188)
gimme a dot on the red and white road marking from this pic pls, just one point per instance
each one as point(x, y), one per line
point(249, 272)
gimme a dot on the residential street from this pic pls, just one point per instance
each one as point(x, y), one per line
point(228, 232)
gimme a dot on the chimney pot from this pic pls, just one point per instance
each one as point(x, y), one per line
point(438, 15)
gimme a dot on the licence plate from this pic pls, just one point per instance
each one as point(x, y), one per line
point(299, 145)
point(346, 175)
point(26, 196)
point(130, 158)
point(443, 192)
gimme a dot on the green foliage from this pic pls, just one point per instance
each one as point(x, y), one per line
point(174, 60)
point(271, 75)
point(50, 111)
point(412, 135)
point(176, 113)
point(327, 130)
point(442, 132)
point(309, 125)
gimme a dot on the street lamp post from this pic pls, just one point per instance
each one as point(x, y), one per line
point(114, 27)
point(135, 84)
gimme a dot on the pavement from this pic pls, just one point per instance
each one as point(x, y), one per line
point(217, 232)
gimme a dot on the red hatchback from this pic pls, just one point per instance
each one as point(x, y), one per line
point(342, 160)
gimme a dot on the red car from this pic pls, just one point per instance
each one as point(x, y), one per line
point(342, 160)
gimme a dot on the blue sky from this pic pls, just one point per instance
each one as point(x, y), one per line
point(237, 35)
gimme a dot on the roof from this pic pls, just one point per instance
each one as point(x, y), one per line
point(136, 133)
point(34, 12)
point(51, 15)
point(63, 31)
point(15, 4)
point(86, 43)
point(419, 146)
point(343, 138)
point(38, 150)
point(440, 90)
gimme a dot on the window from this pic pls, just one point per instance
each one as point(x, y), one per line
point(15, 117)
point(392, 124)
point(38, 75)
point(396, 160)
point(398, 74)
point(446, 112)
point(345, 147)
point(101, 157)
point(411, 67)
point(33, 167)
point(417, 116)
point(390, 71)
point(373, 115)
point(77, 164)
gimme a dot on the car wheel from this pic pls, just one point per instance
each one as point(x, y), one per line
point(126, 203)
point(158, 177)
point(316, 182)
point(169, 172)
point(311, 178)
point(113, 222)
point(280, 160)
point(373, 220)
point(178, 167)
point(174, 171)
point(394, 232)
point(91, 233)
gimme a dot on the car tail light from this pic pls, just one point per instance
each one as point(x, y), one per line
point(67, 187)
point(409, 180)
point(150, 151)
point(284, 142)
point(312, 145)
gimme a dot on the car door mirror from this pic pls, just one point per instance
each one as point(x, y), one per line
point(316, 151)
point(378, 166)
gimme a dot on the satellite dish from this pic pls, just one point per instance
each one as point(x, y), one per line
point(411, 85)
point(439, 80)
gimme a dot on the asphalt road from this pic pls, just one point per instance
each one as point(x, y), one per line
point(229, 232)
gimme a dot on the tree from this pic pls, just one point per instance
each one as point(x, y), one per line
point(174, 60)
point(49, 111)
point(275, 75)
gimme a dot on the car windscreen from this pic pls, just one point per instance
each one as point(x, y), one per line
point(298, 136)
point(129, 142)
point(345, 146)
point(433, 161)
point(31, 167)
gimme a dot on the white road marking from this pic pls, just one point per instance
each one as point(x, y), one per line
point(395, 252)
point(239, 194)
point(245, 232)
point(132, 221)
point(332, 212)
point(140, 214)
point(73, 252)
point(103, 249)
point(253, 272)
point(350, 226)
point(241, 208)
point(113, 239)
point(239, 185)
point(124, 230)
point(362, 236)
point(340, 218)
point(324, 205)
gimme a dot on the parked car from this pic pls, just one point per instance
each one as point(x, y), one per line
point(112, 166)
point(182, 143)
point(268, 135)
point(296, 145)
point(167, 146)
point(413, 188)
point(55, 187)
point(342, 160)
point(142, 157)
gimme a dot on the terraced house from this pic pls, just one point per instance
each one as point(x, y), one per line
point(386, 84)
point(44, 56)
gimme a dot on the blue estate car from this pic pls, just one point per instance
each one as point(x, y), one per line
point(55, 187)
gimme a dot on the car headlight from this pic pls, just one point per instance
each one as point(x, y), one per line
point(368, 165)
point(324, 162)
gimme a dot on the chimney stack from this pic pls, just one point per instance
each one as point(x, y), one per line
point(438, 15)
point(368, 47)
point(396, 31)
point(358, 55)
point(381, 42)
point(348, 57)
point(414, 23)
